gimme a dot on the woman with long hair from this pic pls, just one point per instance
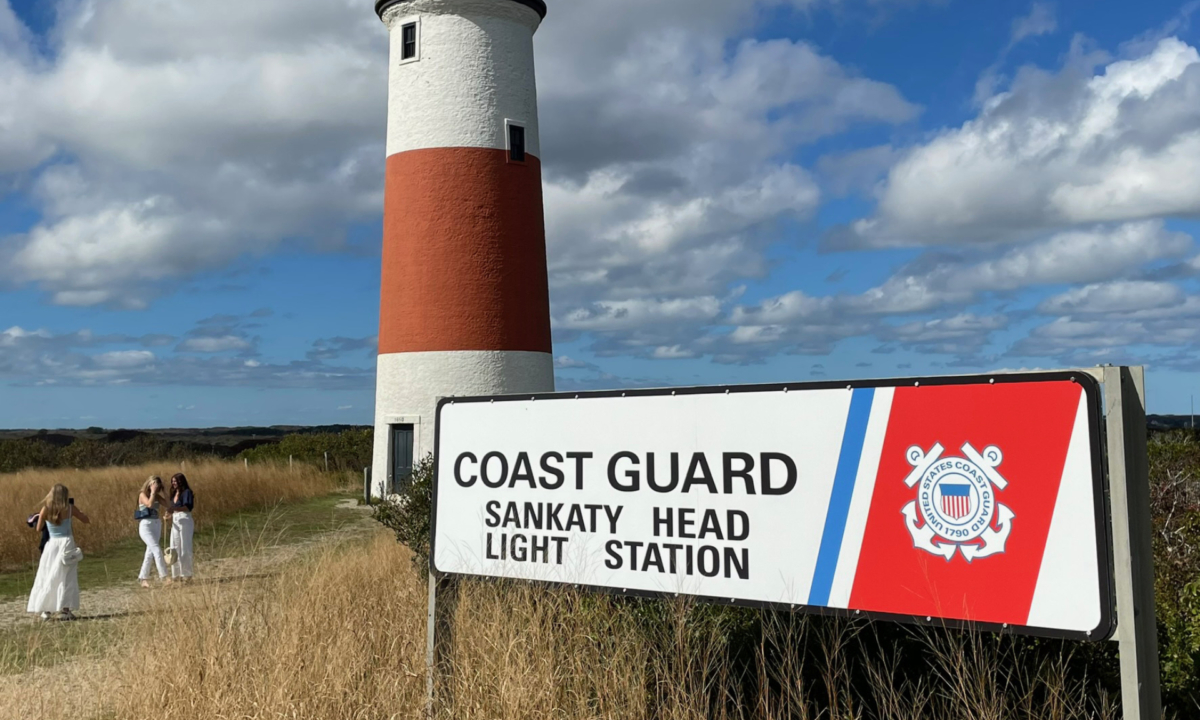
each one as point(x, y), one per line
point(150, 499)
point(183, 500)
point(56, 588)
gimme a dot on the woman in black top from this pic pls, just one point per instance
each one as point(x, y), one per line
point(182, 526)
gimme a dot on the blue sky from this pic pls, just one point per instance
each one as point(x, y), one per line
point(737, 191)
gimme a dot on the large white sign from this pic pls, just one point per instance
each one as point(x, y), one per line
point(973, 500)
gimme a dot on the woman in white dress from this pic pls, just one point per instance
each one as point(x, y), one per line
point(150, 499)
point(56, 588)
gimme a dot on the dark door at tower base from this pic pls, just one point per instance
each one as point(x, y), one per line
point(402, 456)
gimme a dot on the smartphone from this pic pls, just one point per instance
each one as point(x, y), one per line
point(71, 500)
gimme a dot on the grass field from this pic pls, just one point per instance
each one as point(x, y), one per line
point(344, 638)
point(337, 630)
point(109, 497)
point(340, 633)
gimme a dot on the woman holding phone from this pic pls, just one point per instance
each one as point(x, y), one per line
point(150, 499)
point(56, 588)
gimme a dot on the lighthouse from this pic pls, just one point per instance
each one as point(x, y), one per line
point(464, 306)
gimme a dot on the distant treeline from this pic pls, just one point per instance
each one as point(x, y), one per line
point(348, 449)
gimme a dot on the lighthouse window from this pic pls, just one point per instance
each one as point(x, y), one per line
point(516, 143)
point(408, 41)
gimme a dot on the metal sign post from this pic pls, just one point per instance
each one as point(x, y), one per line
point(439, 642)
point(1133, 557)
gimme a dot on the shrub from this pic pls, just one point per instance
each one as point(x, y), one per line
point(1175, 506)
point(408, 513)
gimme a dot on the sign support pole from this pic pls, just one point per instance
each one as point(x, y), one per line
point(439, 642)
point(1133, 558)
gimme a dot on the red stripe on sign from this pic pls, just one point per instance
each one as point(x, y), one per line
point(1031, 423)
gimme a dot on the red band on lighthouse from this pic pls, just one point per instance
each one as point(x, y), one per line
point(463, 241)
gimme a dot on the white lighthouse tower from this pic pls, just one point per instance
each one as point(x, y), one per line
point(464, 306)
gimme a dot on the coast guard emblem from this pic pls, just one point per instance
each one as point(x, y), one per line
point(956, 508)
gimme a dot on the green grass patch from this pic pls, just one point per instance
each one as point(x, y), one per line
point(232, 535)
point(44, 644)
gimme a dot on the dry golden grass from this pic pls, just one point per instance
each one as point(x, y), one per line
point(109, 497)
point(343, 635)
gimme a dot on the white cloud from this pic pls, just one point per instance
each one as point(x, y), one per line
point(667, 162)
point(1069, 257)
point(566, 362)
point(630, 314)
point(1076, 256)
point(185, 135)
point(40, 357)
point(223, 343)
point(123, 359)
point(1040, 21)
point(962, 333)
point(1122, 144)
point(1115, 297)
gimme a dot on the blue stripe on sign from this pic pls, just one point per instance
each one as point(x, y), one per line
point(843, 490)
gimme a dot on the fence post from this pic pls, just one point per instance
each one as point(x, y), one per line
point(289, 462)
point(327, 461)
point(247, 461)
point(367, 485)
point(1133, 557)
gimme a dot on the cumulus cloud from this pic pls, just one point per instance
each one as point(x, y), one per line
point(1115, 297)
point(962, 333)
point(1040, 21)
point(661, 203)
point(40, 357)
point(332, 348)
point(161, 139)
point(670, 194)
point(1121, 143)
point(164, 139)
point(223, 343)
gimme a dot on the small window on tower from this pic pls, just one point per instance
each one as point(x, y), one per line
point(516, 143)
point(408, 41)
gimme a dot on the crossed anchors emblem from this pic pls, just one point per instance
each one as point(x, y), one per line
point(956, 501)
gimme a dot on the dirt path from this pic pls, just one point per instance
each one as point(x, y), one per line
point(119, 600)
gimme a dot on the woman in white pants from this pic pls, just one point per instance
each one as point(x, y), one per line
point(150, 500)
point(56, 588)
point(182, 526)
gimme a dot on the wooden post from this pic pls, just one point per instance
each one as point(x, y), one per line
point(439, 643)
point(1133, 557)
point(289, 462)
point(326, 461)
point(247, 461)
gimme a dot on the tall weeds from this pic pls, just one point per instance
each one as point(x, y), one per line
point(109, 496)
point(343, 637)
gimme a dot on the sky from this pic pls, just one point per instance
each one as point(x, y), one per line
point(736, 191)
